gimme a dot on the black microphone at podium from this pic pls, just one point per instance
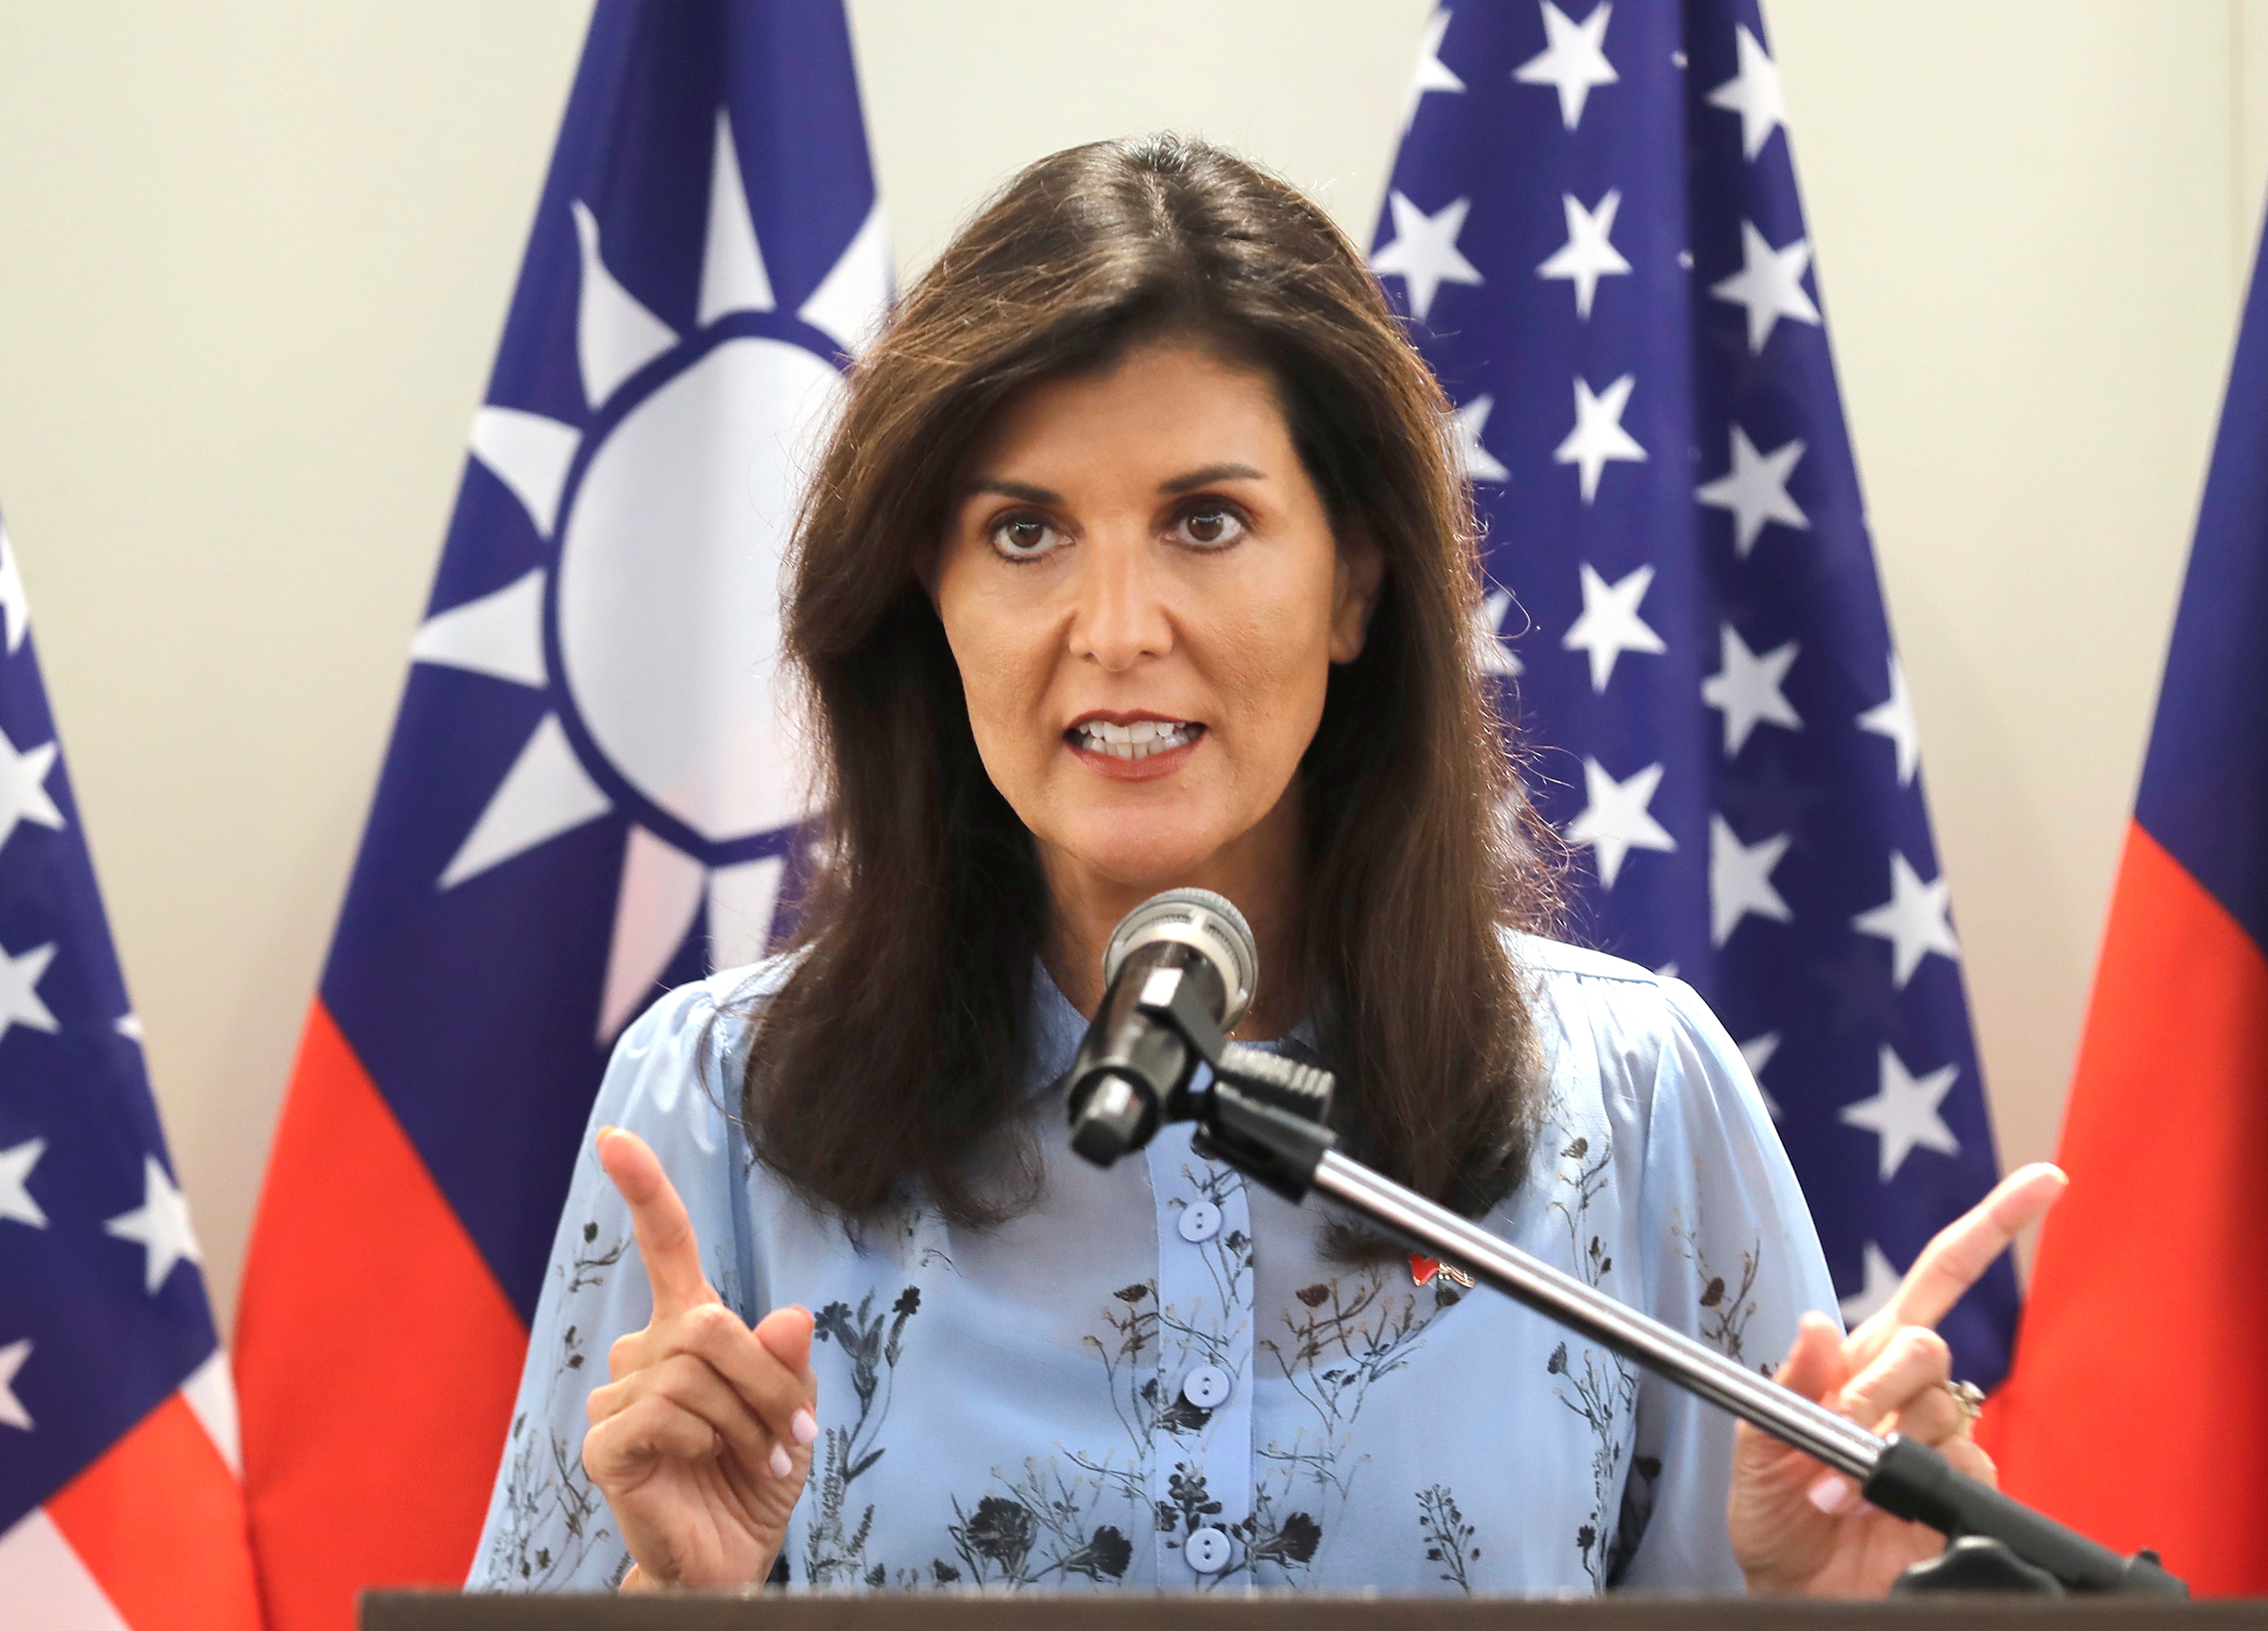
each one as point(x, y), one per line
point(1132, 1063)
point(1179, 972)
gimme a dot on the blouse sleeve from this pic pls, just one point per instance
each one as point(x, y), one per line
point(1734, 1259)
point(547, 1528)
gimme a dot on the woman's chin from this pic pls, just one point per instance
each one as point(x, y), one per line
point(1142, 859)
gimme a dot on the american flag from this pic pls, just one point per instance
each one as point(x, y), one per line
point(119, 1500)
point(1594, 231)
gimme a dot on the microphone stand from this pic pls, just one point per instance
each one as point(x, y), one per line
point(1261, 1115)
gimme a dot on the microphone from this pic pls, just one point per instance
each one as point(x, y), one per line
point(1190, 947)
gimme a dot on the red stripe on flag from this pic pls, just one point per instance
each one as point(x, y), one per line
point(159, 1521)
point(376, 1356)
point(2134, 1410)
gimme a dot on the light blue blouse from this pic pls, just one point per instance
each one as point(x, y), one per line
point(1158, 1379)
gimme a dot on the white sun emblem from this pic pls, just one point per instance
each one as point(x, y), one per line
point(655, 630)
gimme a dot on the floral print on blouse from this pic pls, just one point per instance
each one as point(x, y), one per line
point(1158, 1379)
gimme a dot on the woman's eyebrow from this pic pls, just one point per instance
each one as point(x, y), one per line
point(1023, 490)
point(1211, 473)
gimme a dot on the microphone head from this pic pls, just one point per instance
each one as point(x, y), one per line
point(1206, 922)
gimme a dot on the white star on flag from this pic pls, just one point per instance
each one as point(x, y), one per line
point(1573, 59)
point(1480, 464)
point(1758, 1051)
point(16, 1166)
point(1755, 93)
point(1875, 1293)
point(1432, 74)
point(160, 1226)
point(19, 994)
point(1755, 490)
point(1598, 437)
point(1914, 920)
point(1423, 252)
point(24, 790)
point(1740, 880)
point(1770, 284)
point(1615, 821)
point(15, 610)
point(1490, 652)
point(1587, 256)
point(1903, 1115)
point(1894, 719)
point(1610, 624)
point(1748, 688)
point(12, 1413)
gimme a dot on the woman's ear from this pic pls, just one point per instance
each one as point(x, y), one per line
point(1354, 590)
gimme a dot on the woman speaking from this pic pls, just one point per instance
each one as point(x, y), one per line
point(1141, 558)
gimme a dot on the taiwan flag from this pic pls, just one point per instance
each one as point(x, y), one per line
point(591, 793)
point(2136, 1412)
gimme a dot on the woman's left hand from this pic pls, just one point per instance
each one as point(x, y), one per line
point(1799, 1529)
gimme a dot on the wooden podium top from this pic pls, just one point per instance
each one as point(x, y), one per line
point(1082, 1611)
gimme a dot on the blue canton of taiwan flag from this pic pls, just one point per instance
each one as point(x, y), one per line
point(593, 790)
point(119, 1501)
point(1593, 228)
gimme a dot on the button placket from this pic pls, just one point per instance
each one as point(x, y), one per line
point(1201, 1444)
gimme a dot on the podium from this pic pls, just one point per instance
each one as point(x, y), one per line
point(1127, 1612)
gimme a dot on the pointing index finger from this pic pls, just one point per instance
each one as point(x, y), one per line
point(1957, 1257)
point(665, 1231)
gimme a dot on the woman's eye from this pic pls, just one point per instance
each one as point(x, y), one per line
point(1024, 537)
point(1212, 528)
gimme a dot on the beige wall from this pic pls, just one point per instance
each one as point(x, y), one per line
point(254, 257)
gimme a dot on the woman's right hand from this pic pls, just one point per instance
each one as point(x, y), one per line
point(700, 1441)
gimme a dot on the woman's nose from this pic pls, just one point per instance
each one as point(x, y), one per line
point(1120, 618)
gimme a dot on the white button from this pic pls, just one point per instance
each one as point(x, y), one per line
point(1207, 1386)
point(1200, 1222)
point(1207, 1551)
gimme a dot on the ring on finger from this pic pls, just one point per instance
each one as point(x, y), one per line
point(1970, 1400)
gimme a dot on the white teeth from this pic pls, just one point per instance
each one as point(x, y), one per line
point(1138, 741)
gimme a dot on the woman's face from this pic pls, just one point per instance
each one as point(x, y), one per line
point(1144, 595)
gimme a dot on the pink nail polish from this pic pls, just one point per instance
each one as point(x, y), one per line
point(781, 1465)
point(1833, 1494)
point(803, 1426)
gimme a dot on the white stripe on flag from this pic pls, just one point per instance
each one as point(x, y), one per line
point(44, 1584)
point(211, 1394)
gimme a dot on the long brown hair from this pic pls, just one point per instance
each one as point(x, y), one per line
point(893, 1054)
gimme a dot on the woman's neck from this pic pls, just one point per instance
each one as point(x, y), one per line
point(1260, 872)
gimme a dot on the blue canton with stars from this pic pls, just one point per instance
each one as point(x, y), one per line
point(103, 1308)
point(1594, 231)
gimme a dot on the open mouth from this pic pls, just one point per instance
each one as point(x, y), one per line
point(1137, 739)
